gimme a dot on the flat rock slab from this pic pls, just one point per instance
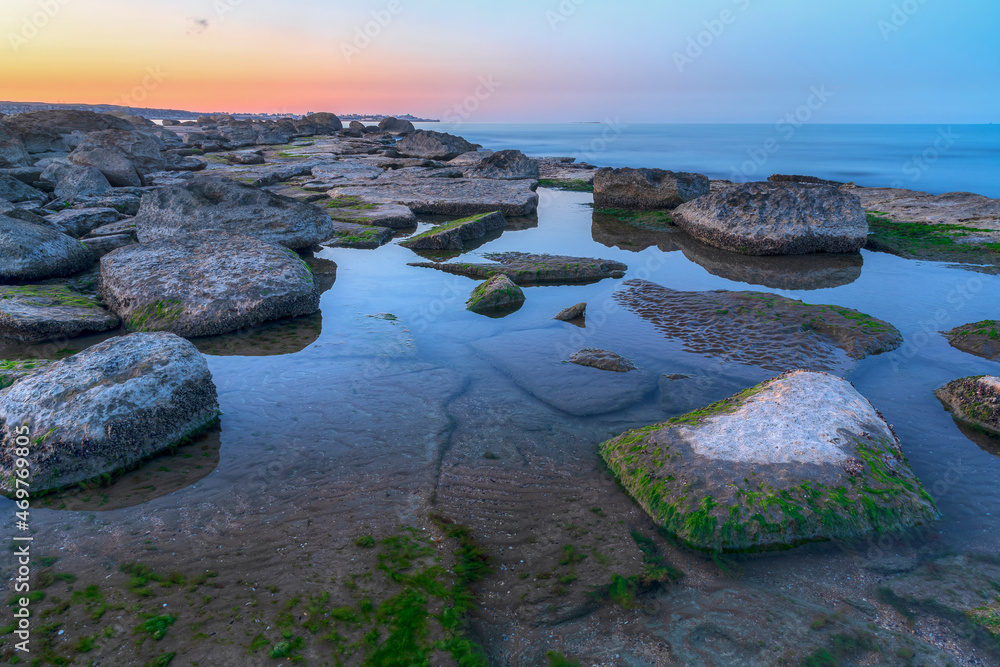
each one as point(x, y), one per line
point(360, 237)
point(974, 401)
point(12, 370)
point(36, 313)
point(451, 196)
point(799, 458)
point(353, 209)
point(980, 338)
point(603, 360)
point(964, 209)
point(531, 360)
point(30, 251)
point(206, 284)
point(102, 245)
point(79, 221)
point(759, 329)
point(105, 409)
point(532, 269)
point(453, 235)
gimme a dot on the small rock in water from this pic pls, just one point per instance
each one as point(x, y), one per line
point(602, 360)
point(499, 293)
point(572, 313)
point(452, 235)
point(974, 401)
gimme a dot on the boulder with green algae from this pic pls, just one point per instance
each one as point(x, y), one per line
point(35, 313)
point(535, 269)
point(974, 401)
point(799, 458)
point(453, 235)
point(979, 338)
point(12, 370)
point(497, 293)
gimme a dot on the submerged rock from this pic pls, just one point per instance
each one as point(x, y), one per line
point(496, 294)
point(433, 145)
point(452, 235)
point(974, 401)
point(505, 165)
point(104, 409)
point(760, 329)
point(980, 338)
point(30, 251)
point(646, 189)
point(799, 458)
point(777, 219)
point(206, 284)
point(36, 313)
point(531, 269)
point(214, 203)
point(602, 360)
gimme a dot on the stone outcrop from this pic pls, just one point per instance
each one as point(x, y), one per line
point(646, 189)
point(30, 251)
point(496, 294)
point(453, 235)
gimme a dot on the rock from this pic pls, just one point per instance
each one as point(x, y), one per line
point(812, 180)
point(245, 157)
point(602, 360)
point(70, 181)
point(104, 409)
point(980, 338)
point(170, 122)
point(530, 269)
point(102, 245)
point(496, 294)
point(138, 122)
point(760, 329)
point(505, 165)
point(12, 153)
point(449, 196)
point(15, 191)
point(29, 251)
point(799, 458)
point(325, 123)
point(770, 219)
point(123, 202)
point(12, 370)
point(572, 313)
point(36, 313)
point(452, 235)
point(126, 226)
point(963, 209)
point(396, 126)
point(59, 130)
point(205, 283)
point(79, 221)
point(433, 145)
point(355, 125)
point(125, 157)
point(974, 401)
point(890, 565)
point(359, 237)
point(352, 209)
point(219, 204)
point(646, 189)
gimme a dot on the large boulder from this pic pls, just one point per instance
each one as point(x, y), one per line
point(221, 204)
point(433, 145)
point(453, 235)
point(70, 181)
point(324, 122)
point(507, 165)
point(59, 130)
point(30, 251)
point(103, 410)
point(125, 157)
point(498, 293)
point(79, 221)
point(12, 153)
point(777, 219)
point(646, 189)
point(800, 458)
point(974, 401)
point(36, 313)
point(204, 284)
point(396, 126)
point(15, 190)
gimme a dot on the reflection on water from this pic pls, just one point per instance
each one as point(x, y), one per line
point(264, 340)
point(987, 442)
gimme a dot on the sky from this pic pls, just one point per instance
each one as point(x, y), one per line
point(714, 61)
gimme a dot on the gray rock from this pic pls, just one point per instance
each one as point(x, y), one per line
point(70, 181)
point(352, 209)
point(449, 196)
point(535, 269)
point(964, 209)
point(102, 245)
point(452, 235)
point(979, 338)
point(433, 145)
point(506, 165)
point(708, 477)
point(245, 157)
point(30, 251)
point(359, 237)
point(36, 313)
point(890, 565)
point(59, 130)
point(204, 284)
point(470, 159)
point(496, 294)
point(125, 157)
point(785, 178)
point(396, 126)
point(126, 227)
point(602, 360)
point(221, 204)
point(12, 153)
point(646, 189)
point(14, 190)
point(777, 219)
point(974, 401)
point(79, 221)
point(325, 123)
point(355, 125)
point(105, 409)
point(572, 313)
point(12, 370)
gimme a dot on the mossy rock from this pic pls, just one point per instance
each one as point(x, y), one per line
point(979, 338)
point(569, 185)
point(36, 313)
point(974, 401)
point(796, 459)
point(535, 269)
point(498, 294)
point(453, 235)
point(932, 241)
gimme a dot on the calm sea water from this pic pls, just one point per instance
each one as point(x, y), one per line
point(930, 158)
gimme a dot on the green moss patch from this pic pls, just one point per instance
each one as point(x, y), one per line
point(570, 185)
point(653, 220)
point(155, 316)
point(937, 242)
point(49, 295)
point(448, 226)
point(350, 202)
point(973, 403)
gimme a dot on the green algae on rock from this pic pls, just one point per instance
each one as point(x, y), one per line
point(452, 235)
point(799, 458)
point(496, 294)
point(12, 370)
point(933, 241)
point(36, 313)
point(979, 338)
point(535, 269)
point(974, 401)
